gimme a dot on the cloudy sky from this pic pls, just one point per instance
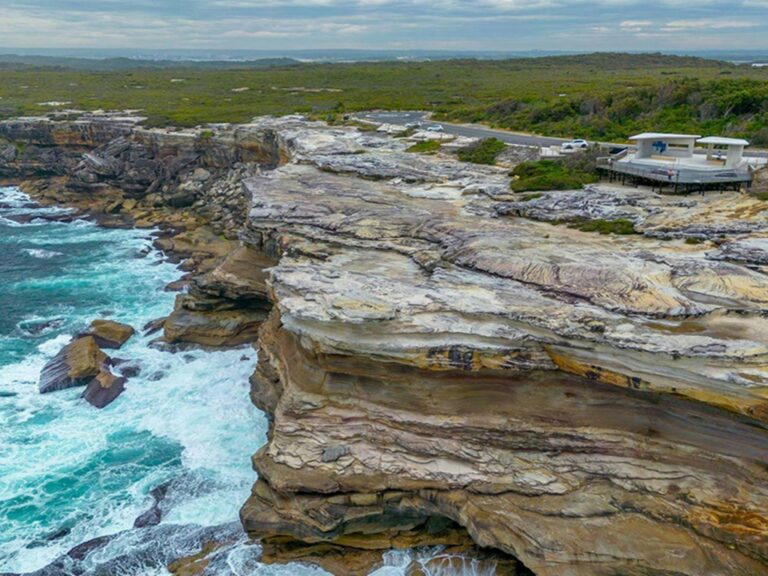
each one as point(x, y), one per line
point(387, 24)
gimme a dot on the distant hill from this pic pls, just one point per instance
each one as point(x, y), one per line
point(27, 62)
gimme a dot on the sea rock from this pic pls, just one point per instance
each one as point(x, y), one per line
point(153, 326)
point(214, 328)
point(110, 334)
point(153, 516)
point(104, 388)
point(76, 364)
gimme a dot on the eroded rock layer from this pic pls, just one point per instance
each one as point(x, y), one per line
point(589, 404)
point(438, 359)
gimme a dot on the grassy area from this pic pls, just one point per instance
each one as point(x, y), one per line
point(620, 226)
point(605, 96)
point(483, 152)
point(550, 175)
point(425, 147)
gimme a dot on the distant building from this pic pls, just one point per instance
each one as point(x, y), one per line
point(673, 160)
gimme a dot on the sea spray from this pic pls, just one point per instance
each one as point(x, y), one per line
point(69, 472)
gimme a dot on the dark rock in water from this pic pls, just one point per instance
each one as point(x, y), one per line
point(144, 252)
point(153, 326)
point(49, 538)
point(155, 376)
point(130, 371)
point(34, 328)
point(110, 334)
point(76, 364)
point(58, 534)
point(127, 368)
point(32, 216)
point(153, 516)
point(82, 550)
point(146, 550)
point(104, 388)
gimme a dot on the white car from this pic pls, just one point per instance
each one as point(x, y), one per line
point(435, 128)
point(577, 144)
point(413, 125)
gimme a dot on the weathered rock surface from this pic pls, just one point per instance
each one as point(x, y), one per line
point(589, 404)
point(110, 334)
point(439, 359)
point(76, 364)
point(104, 388)
point(83, 363)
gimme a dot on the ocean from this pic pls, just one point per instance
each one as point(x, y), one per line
point(69, 472)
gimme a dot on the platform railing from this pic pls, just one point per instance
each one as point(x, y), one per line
point(675, 175)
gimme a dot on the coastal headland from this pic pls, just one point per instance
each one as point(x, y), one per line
point(444, 361)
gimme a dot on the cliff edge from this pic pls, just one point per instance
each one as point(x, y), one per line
point(439, 357)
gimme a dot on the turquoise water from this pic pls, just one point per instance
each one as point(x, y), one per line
point(69, 472)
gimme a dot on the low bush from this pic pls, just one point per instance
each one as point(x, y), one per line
point(545, 175)
point(620, 226)
point(425, 147)
point(483, 152)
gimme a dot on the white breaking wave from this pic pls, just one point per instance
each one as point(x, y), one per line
point(40, 253)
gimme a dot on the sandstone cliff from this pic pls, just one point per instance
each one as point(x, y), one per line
point(438, 357)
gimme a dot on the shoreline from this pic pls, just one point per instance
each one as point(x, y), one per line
point(145, 367)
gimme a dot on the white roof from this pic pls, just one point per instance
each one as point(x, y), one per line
point(724, 141)
point(663, 136)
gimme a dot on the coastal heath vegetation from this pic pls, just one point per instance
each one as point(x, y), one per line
point(597, 96)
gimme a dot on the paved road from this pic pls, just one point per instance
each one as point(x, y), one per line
point(403, 118)
point(476, 131)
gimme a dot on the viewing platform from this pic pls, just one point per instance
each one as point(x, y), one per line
point(672, 160)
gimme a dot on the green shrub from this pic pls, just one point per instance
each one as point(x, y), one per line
point(483, 152)
point(363, 126)
point(620, 226)
point(425, 147)
point(693, 240)
point(545, 175)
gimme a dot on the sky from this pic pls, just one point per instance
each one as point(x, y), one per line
point(483, 25)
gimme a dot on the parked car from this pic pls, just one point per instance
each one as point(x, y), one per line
point(577, 144)
point(435, 128)
point(413, 125)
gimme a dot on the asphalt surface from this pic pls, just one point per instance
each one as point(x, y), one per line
point(474, 131)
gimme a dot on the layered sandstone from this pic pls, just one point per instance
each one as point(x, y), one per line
point(588, 404)
point(439, 360)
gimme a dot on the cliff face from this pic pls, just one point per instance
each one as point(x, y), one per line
point(437, 359)
point(589, 404)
